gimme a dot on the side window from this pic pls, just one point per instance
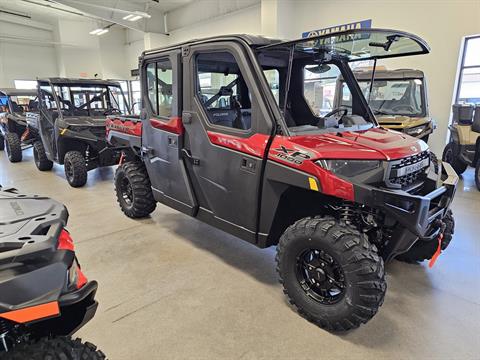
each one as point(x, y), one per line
point(47, 98)
point(159, 87)
point(222, 91)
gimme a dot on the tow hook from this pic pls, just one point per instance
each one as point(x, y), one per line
point(440, 241)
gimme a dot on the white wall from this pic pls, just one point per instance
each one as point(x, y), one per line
point(25, 51)
point(441, 23)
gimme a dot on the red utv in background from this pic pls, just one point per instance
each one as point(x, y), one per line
point(232, 134)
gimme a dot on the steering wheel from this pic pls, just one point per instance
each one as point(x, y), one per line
point(336, 111)
point(407, 107)
point(112, 111)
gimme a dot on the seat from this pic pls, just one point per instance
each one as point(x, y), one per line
point(476, 119)
point(222, 117)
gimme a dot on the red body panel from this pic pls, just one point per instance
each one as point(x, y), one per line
point(174, 125)
point(124, 126)
point(253, 145)
point(372, 144)
point(32, 313)
point(301, 152)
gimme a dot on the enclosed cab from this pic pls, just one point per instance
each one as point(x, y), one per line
point(14, 134)
point(71, 125)
point(398, 99)
point(228, 134)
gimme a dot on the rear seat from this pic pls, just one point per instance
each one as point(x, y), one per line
point(227, 117)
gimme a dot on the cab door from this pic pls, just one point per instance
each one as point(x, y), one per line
point(162, 131)
point(226, 134)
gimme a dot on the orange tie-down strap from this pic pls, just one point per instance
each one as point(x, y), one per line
point(32, 313)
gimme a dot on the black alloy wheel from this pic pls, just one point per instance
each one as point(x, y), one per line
point(320, 276)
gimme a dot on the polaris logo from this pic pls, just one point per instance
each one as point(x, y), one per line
point(412, 168)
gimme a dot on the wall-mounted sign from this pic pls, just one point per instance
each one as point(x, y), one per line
point(364, 24)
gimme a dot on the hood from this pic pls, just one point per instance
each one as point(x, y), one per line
point(401, 121)
point(372, 144)
point(85, 121)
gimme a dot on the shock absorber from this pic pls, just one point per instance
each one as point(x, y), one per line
point(347, 212)
point(4, 329)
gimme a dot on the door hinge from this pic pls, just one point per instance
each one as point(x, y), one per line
point(185, 51)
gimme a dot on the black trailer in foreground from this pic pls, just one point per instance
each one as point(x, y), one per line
point(14, 134)
point(44, 295)
point(71, 125)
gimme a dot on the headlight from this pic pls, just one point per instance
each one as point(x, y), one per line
point(415, 130)
point(349, 168)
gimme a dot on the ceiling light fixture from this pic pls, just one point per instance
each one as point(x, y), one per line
point(137, 15)
point(101, 31)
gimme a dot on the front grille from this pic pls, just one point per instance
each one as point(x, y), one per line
point(397, 178)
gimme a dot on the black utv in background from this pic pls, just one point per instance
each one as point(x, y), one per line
point(71, 125)
point(14, 134)
point(44, 295)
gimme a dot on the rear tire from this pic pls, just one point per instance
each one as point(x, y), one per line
point(13, 147)
point(134, 190)
point(424, 250)
point(331, 273)
point(451, 155)
point(57, 348)
point(75, 169)
point(40, 157)
point(2, 142)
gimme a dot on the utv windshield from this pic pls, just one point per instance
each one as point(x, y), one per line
point(391, 97)
point(303, 77)
point(96, 100)
point(22, 103)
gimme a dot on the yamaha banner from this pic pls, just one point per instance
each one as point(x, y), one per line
point(364, 24)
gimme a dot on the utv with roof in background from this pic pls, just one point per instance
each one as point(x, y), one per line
point(398, 99)
point(14, 133)
point(71, 125)
point(232, 139)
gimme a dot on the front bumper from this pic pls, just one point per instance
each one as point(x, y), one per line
point(417, 215)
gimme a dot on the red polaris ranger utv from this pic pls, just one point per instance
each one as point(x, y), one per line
point(233, 133)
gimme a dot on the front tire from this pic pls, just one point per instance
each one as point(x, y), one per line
point(40, 157)
point(451, 155)
point(331, 273)
point(58, 348)
point(75, 169)
point(424, 250)
point(134, 190)
point(13, 147)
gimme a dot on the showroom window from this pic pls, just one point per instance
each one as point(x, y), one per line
point(468, 90)
point(159, 87)
point(25, 84)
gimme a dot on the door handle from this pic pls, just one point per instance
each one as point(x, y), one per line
point(188, 155)
point(248, 164)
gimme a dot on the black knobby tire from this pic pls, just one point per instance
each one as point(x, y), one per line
point(134, 190)
point(40, 157)
point(2, 142)
point(424, 250)
point(13, 146)
point(360, 271)
point(477, 175)
point(451, 155)
point(75, 169)
point(58, 348)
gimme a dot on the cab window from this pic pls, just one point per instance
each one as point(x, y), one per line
point(223, 91)
point(159, 87)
